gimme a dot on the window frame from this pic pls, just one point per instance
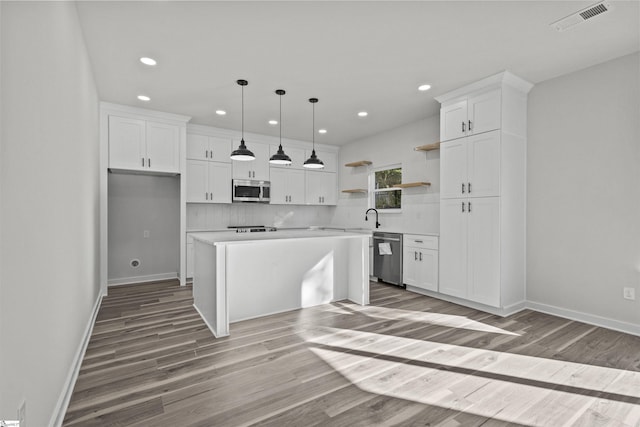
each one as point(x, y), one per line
point(373, 191)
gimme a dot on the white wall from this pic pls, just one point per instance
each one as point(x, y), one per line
point(138, 203)
point(219, 216)
point(420, 206)
point(583, 184)
point(49, 213)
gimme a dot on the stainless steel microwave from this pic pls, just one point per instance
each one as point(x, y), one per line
point(249, 190)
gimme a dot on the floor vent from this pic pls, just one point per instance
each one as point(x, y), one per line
point(581, 16)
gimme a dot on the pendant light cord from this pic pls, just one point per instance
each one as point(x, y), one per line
point(281, 122)
point(313, 124)
point(242, 87)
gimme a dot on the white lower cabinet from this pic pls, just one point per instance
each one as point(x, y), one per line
point(287, 186)
point(470, 249)
point(208, 182)
point(420, 261)
point(320, 188)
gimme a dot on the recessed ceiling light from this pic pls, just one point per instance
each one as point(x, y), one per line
point(363, 114)
point(144, 98)
point(424, 87)
point(273, 122)
point(322, 131)
point(148, 61)
point(221, 112)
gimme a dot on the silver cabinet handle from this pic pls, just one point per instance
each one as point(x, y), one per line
point(206, 196)
point(390, 239)
point(463, 188)
point(469, 125)
point(462, 206)
point(143, 162)
point(149, 161)
point(211, 195)
point(418, 241)
point(469, 186)
point(469, 207)
point(420, 256)
point(463, 129)
point(415, 255)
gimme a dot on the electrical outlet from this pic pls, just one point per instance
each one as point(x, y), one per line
point(629, 293)
point(145, 234)
point(22, 414)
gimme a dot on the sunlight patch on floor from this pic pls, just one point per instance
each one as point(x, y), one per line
point(437, 319)
point(509, 387)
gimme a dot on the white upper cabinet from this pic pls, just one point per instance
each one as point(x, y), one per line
point(470, 116)
point(287, 186)
point(320, 188)
point(163, 147)
point(470, 167)
point(296, 155)
point(141, 145)
point(127, 144)
point(202, 147)
point(208, 182)
point(258, 168)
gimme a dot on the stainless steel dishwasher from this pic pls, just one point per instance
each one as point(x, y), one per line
point(387, 257)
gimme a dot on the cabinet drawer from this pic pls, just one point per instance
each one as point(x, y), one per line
point(421, 241)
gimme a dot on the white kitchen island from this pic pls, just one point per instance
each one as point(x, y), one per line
point(240, 276)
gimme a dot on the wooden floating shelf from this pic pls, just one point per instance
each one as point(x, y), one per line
point(412, 184)
point(428, 147)
point(355, 190)
point(356, 164)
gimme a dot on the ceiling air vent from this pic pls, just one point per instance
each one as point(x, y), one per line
point(581, 16)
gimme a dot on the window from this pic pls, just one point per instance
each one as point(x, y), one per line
point(383, 195)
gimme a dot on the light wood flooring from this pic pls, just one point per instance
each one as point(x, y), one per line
point(405, 360)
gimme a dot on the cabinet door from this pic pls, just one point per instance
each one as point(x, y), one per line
point(197, 181)
point(484, 251)
point(329, 189)
point(197, 147)
point(220, 149)
point(219, 182)
point(279, 188)
point(295, 186)
point(258, 168)
point(427, 267)
point(409, 261)
point(296, 155)
point(127, 143)
point(453, 168)
point(484, 112)
point(453, 121)
point(483, 165)
point(313, 187)
point(453, 247)
point(163, 147)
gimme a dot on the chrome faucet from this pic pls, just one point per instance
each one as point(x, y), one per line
point(367, 219)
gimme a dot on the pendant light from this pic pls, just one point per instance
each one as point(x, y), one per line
point(280, 158)
point(242, 153)
point(313, 162)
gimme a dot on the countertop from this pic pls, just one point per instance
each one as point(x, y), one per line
point(367, 231)
point(226, 237)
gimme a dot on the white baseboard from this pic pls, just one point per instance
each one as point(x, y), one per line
point(503, 312)
point(74, 370)
point(142, 279)
point(591, 319)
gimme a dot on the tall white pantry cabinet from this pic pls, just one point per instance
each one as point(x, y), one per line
point(483, 193)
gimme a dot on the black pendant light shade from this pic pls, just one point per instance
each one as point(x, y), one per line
point(242, 153)
point(280, 158)
point(313, 162)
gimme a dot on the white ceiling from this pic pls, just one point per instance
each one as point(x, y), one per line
point(353, 56)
